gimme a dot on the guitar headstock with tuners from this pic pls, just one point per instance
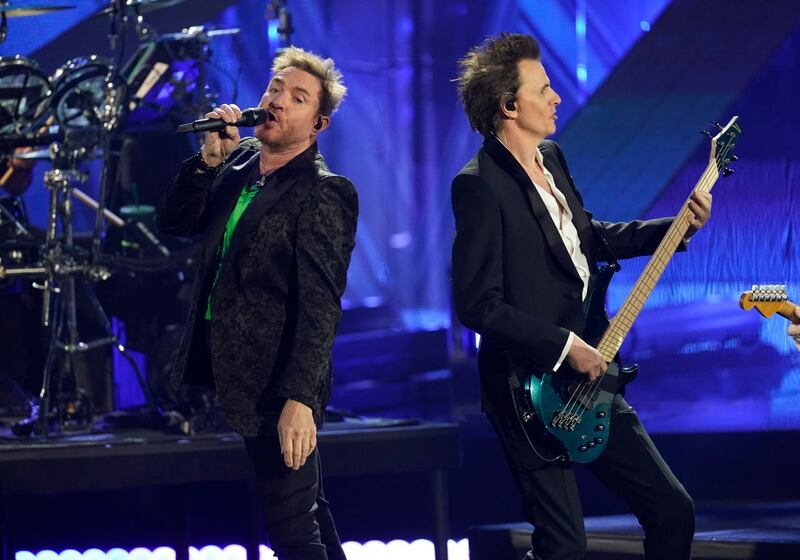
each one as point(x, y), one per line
point(723, 143)
point(768, 299)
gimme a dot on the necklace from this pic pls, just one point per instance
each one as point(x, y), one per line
point(260, 181)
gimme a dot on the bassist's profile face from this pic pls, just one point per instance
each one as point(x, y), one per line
point(536, 101)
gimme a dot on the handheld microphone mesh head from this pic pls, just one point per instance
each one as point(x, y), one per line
point(252, 117)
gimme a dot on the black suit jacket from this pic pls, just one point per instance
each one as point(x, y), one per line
point(276, 303)
point(513, 280)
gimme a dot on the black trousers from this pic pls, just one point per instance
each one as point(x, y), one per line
point(630, 466)
point(297, 516)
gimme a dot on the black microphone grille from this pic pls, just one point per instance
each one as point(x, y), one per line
point(252, 117)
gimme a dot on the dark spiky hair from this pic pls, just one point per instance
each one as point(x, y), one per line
point(488, 72)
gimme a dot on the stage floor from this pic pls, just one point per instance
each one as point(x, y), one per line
point(138, 458)
point(762, 531)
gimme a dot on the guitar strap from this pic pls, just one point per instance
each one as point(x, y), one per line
point(514, 380)
point(610, 258)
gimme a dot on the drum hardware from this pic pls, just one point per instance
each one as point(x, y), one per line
point(90, 99)
point(197, 30)
point(141, 6)
point(138, 232)
point(110, 216)
point(59, 310)
point(85, 117)
point(62, 265)
point(79, 90)
point(28, 139)
point(18, 247)
point(41, 154)
point(24, 92)
point(8, 217)
point(88, 96)
point(166, 78)
point(120, 10)
point(87, 102)
point(50, 154)
point(107, 107)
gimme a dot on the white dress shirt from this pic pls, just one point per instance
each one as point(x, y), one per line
point(561, 215)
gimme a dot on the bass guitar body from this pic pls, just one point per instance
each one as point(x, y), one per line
point(574, 412)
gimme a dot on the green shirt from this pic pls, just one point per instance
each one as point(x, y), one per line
point(247, 196)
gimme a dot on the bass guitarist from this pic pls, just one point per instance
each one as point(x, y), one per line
point(524, 256)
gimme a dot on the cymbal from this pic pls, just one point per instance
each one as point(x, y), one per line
point(24, 11)
point(143, 6)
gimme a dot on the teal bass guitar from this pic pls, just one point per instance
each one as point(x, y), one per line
point(566, 416)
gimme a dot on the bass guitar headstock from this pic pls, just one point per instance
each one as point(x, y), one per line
point(723, 143)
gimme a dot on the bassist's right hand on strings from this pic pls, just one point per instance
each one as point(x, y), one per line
point(586, 359)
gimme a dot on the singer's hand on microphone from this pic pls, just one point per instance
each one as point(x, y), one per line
point(219, 145)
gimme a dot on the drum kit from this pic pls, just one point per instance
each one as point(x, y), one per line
point(71, 118)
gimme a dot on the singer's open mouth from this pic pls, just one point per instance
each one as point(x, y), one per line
point(271, 116)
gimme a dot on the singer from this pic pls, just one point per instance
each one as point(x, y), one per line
point(279, 229)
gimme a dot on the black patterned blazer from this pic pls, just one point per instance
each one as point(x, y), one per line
point(276, 304)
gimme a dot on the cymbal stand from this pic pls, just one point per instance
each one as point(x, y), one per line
point(59, 312)
point(109, 115)
point(62, 264)
point(58, 267)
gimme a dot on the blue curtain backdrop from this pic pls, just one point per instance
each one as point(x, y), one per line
point(401, 134)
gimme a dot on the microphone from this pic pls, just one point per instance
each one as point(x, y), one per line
point(250, 117)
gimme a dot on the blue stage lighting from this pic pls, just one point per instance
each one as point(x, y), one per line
point(272, 30)
point(580, 25)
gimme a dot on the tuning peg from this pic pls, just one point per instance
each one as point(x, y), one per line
point(727, 171)
point(715, 123)
point(734, 157)
point(706, 133)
